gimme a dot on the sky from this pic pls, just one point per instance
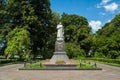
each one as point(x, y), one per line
point(97, 12)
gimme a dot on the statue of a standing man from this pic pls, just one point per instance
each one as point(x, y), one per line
point(60, 32)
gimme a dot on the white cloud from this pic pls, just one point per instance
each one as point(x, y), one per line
point(109, 20)
point(105, 1)
point(111, 7)
point(108, 5)
point(95, 25)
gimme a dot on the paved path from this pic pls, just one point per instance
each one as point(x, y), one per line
point(11, 72)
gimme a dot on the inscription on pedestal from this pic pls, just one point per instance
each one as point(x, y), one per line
point(59, 46)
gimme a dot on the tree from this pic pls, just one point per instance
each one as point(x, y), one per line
point(107, 41)
point(3, 20)
point(42, 10)
point(40, 30)
point(99, 47)
point(106, 47)
point(18, 43)
point(76, 30)
point(74, 51)
point(33, 15)
point(110, 27)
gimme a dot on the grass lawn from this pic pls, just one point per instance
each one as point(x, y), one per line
point(85, 66)
point(36, 65)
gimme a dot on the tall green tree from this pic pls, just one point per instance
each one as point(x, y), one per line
point(106, 43)
point(32, 15)
point(18, 43)
point(110, 27)
point(40, 31)
point(76, 30)
point(21, 15)
point(3, 20)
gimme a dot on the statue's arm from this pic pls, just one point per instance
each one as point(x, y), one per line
point(58, 27)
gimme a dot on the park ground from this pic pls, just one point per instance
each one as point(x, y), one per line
point(11, 72)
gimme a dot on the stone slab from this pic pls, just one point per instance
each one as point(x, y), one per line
point(59, 56)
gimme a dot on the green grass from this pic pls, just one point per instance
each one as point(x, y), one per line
point(86, 65)
point(36, 65)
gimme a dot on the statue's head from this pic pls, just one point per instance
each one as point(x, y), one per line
point(60, 23)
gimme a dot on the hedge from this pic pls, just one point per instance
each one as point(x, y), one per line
point(117, 61)
point(4, 61)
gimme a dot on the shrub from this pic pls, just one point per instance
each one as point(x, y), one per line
point(113, 54)
point(6, 61)
point(47, 54)
point(99, 55)
point(2, 57)
point(117, 61)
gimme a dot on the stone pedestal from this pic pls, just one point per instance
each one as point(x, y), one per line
point(59, 53)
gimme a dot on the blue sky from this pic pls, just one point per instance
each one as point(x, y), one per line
point(98, 12)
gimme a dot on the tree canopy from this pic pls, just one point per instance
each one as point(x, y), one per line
point(18, 43)
point(107, 42)
point(77, 30)
point(32, 15)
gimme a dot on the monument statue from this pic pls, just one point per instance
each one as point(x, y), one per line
point(60, 32)
point(60, 53)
